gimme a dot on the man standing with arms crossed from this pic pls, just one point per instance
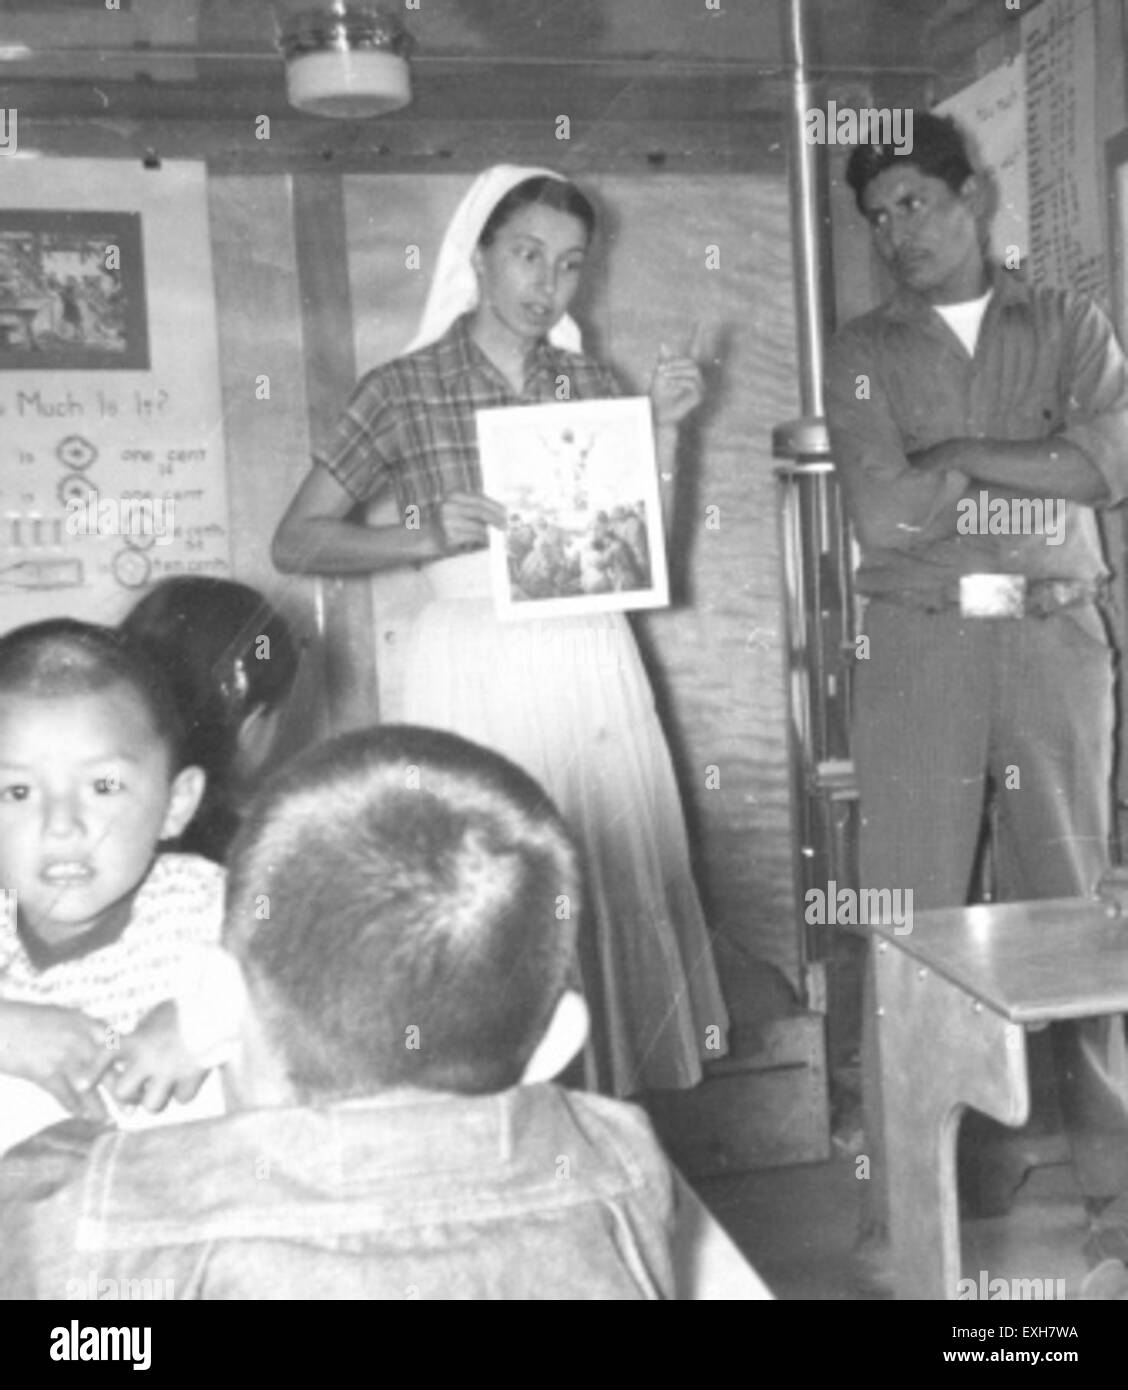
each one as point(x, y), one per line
point(988, 660)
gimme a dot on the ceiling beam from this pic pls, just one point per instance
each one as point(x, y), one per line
point(227, 93)
point(297, 146)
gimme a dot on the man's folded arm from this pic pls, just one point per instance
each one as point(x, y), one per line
point(1097, 396)
point(1084, 461)
point(892, 504)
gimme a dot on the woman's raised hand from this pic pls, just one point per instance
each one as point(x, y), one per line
point(676, 387)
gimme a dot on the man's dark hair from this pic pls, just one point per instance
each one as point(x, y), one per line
point(403, 903)
point(939, 150)
point(62, 657)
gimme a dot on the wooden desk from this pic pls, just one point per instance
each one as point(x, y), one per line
point(954, 996)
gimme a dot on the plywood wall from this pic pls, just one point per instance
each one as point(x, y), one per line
point(717, 655)
point(267, 435)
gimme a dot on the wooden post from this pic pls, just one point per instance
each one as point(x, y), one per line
point(344, 606)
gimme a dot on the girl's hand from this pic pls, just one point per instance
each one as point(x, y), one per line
point(153, 1064)
point(676, 388)
point(62, 1050)
point(464, 519)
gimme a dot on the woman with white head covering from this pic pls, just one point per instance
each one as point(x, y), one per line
point(567, 698)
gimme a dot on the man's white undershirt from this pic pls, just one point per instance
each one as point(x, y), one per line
point(965, 319)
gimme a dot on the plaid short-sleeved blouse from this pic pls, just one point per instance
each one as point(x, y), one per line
point(410, 422)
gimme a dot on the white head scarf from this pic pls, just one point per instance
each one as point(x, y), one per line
point(454, 286)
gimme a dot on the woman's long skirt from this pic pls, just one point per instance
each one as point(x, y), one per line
point(568, 700)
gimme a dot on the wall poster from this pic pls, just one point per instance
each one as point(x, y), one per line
point(112, 467)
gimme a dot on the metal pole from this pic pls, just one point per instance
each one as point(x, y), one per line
point(804, 213)
point(815, 543)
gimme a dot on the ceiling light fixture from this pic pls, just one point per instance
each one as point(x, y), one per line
point(348, 61)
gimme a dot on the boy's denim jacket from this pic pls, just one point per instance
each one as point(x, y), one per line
point(532, 1193)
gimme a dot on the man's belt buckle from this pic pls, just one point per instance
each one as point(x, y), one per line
point(992, 595)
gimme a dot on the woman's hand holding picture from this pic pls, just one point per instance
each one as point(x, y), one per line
point(464, 518)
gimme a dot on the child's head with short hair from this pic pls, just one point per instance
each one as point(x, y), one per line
point(403, 904)
point(92, 776)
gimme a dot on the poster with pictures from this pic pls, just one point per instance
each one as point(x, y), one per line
point(112, 460)
point(579, 483)
point(72, 291)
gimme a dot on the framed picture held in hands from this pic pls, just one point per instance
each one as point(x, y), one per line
point(579, 483)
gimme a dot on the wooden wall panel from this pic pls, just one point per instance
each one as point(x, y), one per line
point(259, 334)
point(344, 605)
point(716, 657)
point(267, 441)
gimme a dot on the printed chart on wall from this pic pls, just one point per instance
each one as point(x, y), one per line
point(993, 112)
point(1034, 123)
point(1067, 225)
point(111, 423)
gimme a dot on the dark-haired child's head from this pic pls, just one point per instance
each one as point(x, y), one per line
point(231, 660)
point(92, 774)
point(403, 905)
